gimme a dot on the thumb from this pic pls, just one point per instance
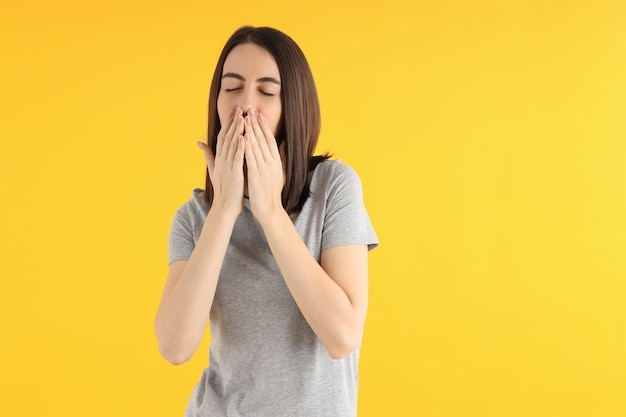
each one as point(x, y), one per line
point(208, 155)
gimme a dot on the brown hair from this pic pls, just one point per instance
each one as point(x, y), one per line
point(300, 122)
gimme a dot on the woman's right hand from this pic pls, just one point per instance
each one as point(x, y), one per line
point(191, 284)
point(226, 166)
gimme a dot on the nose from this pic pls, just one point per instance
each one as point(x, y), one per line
point(246, 100)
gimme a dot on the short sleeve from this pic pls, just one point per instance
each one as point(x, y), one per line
point(346, 220)
point(181, 242)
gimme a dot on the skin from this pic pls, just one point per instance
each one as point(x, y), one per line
point(332, 295)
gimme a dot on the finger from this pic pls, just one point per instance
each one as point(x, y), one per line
point(262, 139)
point(254, 142)
point(208, 156)
point(239, 154)
point(251, 161)
point(233, 129)
point(222, 133)
point(267, 132)
point(231, 142)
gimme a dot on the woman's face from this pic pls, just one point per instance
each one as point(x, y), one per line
point(250, 78)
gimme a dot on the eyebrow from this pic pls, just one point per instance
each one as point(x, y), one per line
point(260, 80)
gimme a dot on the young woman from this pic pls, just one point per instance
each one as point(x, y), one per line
point(273, 251)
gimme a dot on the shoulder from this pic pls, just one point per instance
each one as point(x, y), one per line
point(334, 179)
point(336, 188)
point(195, 207)
point(187, 226)
point(332, 173)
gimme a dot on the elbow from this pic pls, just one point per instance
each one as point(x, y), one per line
point(337, 353)
point(173, 347)
point(345, 338)
point(343, 347)
point(173, 350)
point(174, 355)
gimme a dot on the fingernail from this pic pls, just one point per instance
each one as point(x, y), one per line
point(251, 112)
point(231, 114)
point(261, 118)
point(199, 144)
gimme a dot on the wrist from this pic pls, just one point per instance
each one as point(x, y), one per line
point(223, 213)
point(274, 217)
point(227, 203)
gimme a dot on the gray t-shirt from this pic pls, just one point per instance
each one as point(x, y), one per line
point(264, 359)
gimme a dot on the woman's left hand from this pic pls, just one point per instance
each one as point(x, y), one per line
point(265, 168)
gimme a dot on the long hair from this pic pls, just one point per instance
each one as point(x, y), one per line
point(300, 122)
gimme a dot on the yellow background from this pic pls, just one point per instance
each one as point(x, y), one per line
point(491, 141)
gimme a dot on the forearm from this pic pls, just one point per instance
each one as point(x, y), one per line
point(184, 310)
point(334, 318)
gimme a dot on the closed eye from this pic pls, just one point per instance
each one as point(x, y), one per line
point(228, 90)
point(267, 94)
